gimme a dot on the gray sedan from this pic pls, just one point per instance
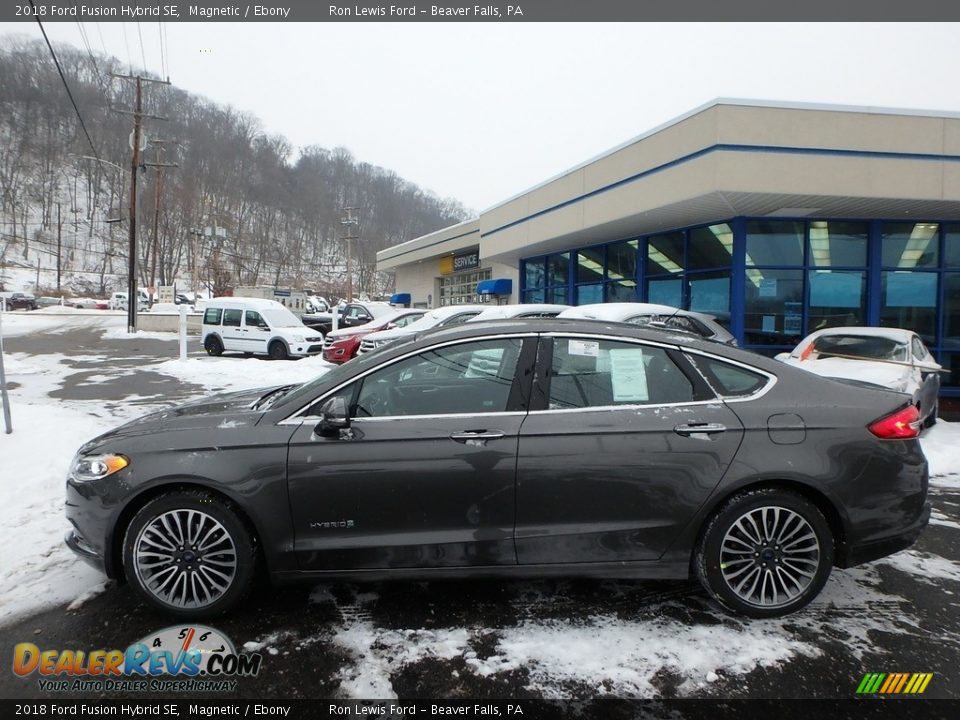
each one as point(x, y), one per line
point(538, 447)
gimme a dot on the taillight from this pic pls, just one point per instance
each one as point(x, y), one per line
point(900, 425)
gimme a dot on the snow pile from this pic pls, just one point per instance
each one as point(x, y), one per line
point(237, 373)
point(941, 445)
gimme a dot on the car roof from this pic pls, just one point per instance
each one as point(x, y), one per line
point(896, 334)
point(259, 303)
point(510, 311)
point(619, 311)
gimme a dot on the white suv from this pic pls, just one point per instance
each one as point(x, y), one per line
point(256, 327)
point(439, 317)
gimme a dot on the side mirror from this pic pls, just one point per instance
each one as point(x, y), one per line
point(333, 418)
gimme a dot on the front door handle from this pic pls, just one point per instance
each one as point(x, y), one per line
point(696, 428)
point(462, 437)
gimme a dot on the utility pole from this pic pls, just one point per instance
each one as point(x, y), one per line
point(59, 245)
point(158, 189)
point(138, 115)
point(349, 222)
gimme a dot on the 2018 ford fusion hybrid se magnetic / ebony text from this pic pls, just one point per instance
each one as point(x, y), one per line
point(530, 447)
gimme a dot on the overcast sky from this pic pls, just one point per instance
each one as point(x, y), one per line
point(480, 112)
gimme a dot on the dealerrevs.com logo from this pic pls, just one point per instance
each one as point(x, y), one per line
point(191, 658)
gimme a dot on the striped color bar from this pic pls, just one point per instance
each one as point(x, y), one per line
point(894, 683)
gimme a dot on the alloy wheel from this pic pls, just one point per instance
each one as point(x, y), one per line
point(769, 556)
point(185, 558)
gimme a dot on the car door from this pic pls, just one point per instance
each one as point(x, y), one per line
point(354, 315)
point(232, 331)
point(425, 476)
point(256, 332)
point(625, 445)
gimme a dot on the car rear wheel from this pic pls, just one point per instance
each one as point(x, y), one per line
point(188, 554)
point(278, 351)
point(213, 346)
point(765, 553)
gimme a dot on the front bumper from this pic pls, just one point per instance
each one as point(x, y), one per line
point(84, 550)
point(868, 552)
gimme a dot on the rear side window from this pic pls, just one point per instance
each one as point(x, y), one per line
point(597, 373)
point(729, 380)
point(212, 316)
point(232, 318)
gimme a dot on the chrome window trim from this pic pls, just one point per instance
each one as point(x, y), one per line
point(632, 406)
point(296, 418)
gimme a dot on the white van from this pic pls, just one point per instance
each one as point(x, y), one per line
point(118, 301)
point(256, 327)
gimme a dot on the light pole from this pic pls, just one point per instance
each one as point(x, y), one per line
point(349, 222)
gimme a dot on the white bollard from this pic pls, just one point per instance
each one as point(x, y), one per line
point(335, 315)
point(183, 332)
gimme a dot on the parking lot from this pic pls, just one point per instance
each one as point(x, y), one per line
point(477, 638)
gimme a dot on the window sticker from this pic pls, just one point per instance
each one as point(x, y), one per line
point(628, 375)
point(585, 348)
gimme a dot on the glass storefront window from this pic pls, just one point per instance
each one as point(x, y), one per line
point(909, 300)
point(533, 296)
point(951, 245)
point(589, 294)
point(710, 247)
point(774, 242)
point(951, 362)
point(590, 265)
point(622, 260)
point(773, 311)
point(558, 269)
point(910, 245)
point(951, 311)
point(838, 244)
point(665, 253)
point(710, 293)
point(625, 291)
point(665, 291)
point(837, 299)
point(556, 295)
point(534, 273)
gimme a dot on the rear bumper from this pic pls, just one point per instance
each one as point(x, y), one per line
point(876, 549)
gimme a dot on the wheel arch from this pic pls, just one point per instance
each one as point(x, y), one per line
point(113, 559)
point(836, 521)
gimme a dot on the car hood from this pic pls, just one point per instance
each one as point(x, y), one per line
point(888, 375)
point(225, 411)
point(348, 332)
point(393, 334)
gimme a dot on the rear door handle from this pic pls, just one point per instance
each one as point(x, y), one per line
point(462, 437)
point(695, 428)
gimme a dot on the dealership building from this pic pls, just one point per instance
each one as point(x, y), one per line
point(777, 218)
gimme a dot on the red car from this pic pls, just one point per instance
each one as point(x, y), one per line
point(342, 345)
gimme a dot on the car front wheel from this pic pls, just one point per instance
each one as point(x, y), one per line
point(765, 553)
point(278, 351)
point(189, 554)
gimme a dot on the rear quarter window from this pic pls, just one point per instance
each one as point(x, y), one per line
point(729, 380)
point(212, 316)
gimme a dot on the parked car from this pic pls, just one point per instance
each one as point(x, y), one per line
point(48, 301)
point(439, 317)
point(342, 345)
point(256, 327)
point(348, 315)
point(886, 357)
point(515, 448)
point(702, 324)
point(118, 301)
point(20, 301)
point(528, 310)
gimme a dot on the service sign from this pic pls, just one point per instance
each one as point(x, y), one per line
point(466, 261)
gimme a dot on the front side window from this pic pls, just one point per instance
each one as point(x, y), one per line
point(598, 373)
point(253, 319)
point(469, 378)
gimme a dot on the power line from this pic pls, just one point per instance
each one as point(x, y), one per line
point(126, 42)
point(65, 83)
point(143, 55)
point(163, 62)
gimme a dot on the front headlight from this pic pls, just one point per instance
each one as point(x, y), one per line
point(298, 338)
point(97, 467)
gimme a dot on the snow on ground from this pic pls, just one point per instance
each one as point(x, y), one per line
point(24, 323)
point(941, 445)
point(237, 373)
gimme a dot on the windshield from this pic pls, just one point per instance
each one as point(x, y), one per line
point(860, 346)
point(281, 317)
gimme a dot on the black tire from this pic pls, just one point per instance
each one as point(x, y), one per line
point(213, 346)
point(197, 506)
point(771, 562)
point(278, 350)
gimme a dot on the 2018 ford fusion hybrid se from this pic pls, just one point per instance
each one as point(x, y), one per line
point(531, 447)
